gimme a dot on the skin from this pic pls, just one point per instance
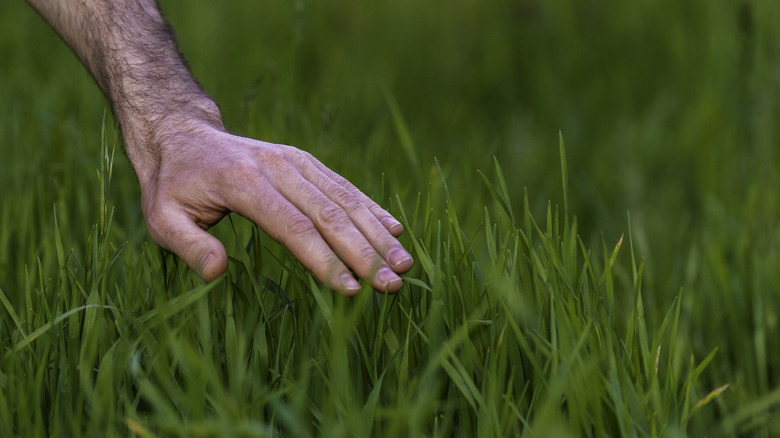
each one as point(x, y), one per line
point(193, 172)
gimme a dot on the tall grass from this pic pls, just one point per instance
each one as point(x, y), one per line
point(508, 329)
point(548, 311)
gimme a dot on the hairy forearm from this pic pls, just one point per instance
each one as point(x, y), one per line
point(192, 172)
point(128, 48)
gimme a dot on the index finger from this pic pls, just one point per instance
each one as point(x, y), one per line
point(364, 214)
point(386, 219)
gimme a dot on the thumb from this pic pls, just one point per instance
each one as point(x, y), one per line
point(178, 233)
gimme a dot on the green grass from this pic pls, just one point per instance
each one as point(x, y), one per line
point(624, 284)
point(525, 340)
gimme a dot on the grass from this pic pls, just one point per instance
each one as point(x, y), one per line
point(526, 340)
point(548, 311)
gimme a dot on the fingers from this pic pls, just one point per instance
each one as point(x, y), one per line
point(373, 224)
point(344, 217)
point(323, 220)
point(175, 230)
point(348, 238)
point(386, 219)
point(285, 223)
point(326, 236)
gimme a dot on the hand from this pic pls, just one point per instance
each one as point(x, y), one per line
point(192, 173)
point(325, 221)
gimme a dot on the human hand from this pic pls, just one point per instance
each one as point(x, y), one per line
point(192, 173)
point(324, 220)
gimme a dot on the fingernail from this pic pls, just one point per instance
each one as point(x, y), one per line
point(385, 277)
point(392, 225)
point(204, 263)
point(398, 257)
point(349, 283)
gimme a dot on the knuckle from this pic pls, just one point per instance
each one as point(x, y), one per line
point(368, 255)
point(240, 176)
point(272, 156)
point(376, 209)
point(381, 238)
point(305, 155)
point(302, 160)
point(346, 200)
point(243, 169)
point(299, 155)
point(299, 225)
point(340, 180)
point(332, 215)
point(332, 264)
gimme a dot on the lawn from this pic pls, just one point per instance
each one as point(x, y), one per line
point(589, 191)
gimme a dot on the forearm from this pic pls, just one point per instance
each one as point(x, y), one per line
point(128, 48)
point(192, 173)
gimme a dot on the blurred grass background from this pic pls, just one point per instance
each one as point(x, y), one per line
point(669, 111)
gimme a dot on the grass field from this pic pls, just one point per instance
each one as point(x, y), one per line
point(589, 190)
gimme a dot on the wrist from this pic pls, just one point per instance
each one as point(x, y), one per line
point(151, 133)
